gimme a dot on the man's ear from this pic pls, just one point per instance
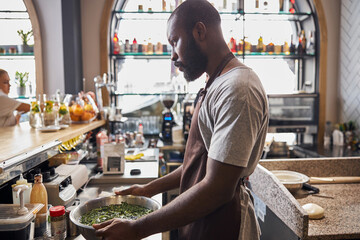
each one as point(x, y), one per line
point(199, 31)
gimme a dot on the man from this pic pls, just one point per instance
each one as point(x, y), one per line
point(9, 105)
point(225, 142)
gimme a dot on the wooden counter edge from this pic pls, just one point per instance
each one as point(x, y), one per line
point(83, 128)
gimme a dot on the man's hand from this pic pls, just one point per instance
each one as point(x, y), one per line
point(116, 229)
point(136, 190)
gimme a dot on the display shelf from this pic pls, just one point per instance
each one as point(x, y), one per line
point(17, 56)
point(164, 15)
point(149, 94)
point(14, 15)
point(131, 55)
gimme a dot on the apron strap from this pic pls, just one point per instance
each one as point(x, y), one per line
point(213, 76)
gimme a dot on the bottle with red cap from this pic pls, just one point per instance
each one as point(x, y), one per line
point(58, 222)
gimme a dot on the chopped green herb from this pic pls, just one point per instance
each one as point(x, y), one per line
point(123, 210)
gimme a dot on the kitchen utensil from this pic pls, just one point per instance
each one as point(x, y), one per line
point(310, 189)
point(293, 181)
point(88, 231)
point(344, 179)
point(278, 149)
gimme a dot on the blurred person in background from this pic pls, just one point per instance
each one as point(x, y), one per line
point(9, 105)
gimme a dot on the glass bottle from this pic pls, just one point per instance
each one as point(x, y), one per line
point(310, 45)
point(150, 47)
point(159, 48)
point(134, 46)
point(292, 46)
point(247, 47)
point(240, 46)
point(328, 135)
point(116, 46)
point(270, 48)
point(286, 48)
point(260, 45)
point(232, 45)
point(303, 41)
point(127, 45)
point(39, 195)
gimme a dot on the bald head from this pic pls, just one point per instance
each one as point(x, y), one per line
point(192, 11)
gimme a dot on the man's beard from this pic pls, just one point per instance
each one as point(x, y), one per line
point(195, 61)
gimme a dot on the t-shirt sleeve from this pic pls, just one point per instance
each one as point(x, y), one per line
point(7, 105)
point(236, 125)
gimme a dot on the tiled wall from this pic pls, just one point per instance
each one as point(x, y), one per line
point(349, 82)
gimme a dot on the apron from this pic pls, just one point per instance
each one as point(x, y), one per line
point(224, 222)
point(233, 220)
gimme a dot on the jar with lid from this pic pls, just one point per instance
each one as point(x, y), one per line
point(58, 222)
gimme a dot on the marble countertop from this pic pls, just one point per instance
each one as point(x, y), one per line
point(340, 201)
point(342, 211)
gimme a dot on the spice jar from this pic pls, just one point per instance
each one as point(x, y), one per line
point(58, 222)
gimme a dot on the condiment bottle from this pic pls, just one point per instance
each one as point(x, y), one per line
point(101, 139)
point(26, 193)
point(39, 195)
point(58, 222)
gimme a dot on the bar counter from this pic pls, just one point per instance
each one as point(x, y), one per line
point(22, 138)
point(23, 147)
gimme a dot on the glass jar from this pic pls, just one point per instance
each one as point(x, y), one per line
point(58, 222)
point(34, 115)
point(64, 114)
point(82, 108)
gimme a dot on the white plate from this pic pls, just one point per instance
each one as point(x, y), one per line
point(49, 128)
point(290, 177)
point(62, 126)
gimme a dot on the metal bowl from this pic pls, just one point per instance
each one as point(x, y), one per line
point(88, 232)
point(293, 181)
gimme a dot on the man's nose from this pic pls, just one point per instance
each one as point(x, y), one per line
point(174, 55)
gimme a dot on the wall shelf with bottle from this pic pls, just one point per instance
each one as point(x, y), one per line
point(279, 41)
point(235, 15)
point(166, 55)
point(10, 56)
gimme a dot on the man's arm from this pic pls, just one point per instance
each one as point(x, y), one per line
point(217, 188)
point(163, 184)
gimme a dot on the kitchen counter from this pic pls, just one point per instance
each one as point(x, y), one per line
point(149, 170)
point(316, 151)
point(340, 201)
point(23, 147)
point(342, 211)
point(22, 138)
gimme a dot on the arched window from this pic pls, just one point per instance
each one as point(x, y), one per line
point(19, 23)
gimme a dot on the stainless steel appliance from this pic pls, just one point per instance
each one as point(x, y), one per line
point(168, 100)
point(61, 191)
point(294, 113)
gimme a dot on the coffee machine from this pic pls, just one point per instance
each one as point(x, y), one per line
point(168, 100)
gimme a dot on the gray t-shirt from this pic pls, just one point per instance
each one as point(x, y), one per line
point(233, 119)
